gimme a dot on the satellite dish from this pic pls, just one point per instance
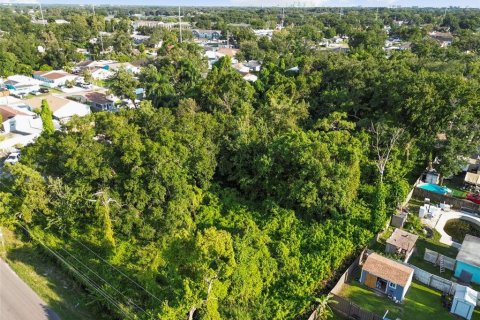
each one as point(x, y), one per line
point(41, 49)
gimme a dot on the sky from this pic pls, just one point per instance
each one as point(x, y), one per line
point(258, 3)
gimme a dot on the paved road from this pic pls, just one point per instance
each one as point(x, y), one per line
point(18, 301)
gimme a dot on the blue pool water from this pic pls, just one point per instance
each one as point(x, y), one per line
point(435, 188)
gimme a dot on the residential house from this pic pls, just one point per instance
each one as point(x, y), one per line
point(20, 120)
point(464, 301)
point(264, 33)
point(206, 34)
point(54, 78)
point(386, 276)
point(125, 65)
point(402, 243)
point(226, 52)
point(254, 65)
point(63, 109)
point(241, 68)
point(444, 38)
point(100, 101)
point(21, 85)
point(250, 77)
point(468, 259)
point(102, 74)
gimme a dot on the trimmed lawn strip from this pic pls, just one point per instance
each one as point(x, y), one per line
point(68, 299)
point(421, 303)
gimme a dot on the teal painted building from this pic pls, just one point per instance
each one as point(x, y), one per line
point(468, 258)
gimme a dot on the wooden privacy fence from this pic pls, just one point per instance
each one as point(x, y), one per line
point(436, 258)
point(351, 310)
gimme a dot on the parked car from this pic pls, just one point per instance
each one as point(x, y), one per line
point(87, 86)
point(44, 90)
point(35, 93)
point(473, 197)
point(20, 95)
point(13, 158)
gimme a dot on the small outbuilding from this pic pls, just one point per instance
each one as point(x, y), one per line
point(399, 219)
point(401, 242)
point(468, 258)
point(464, 302)
point(386, 276)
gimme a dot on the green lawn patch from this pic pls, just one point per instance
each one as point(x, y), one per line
point(68, 299)
point(421, 303)
point(456, 184)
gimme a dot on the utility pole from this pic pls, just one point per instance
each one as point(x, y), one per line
point(180, 24)
point(99, 32)
point(283, 17)
point(2, 241)
point(376, 15)
point(41, 13)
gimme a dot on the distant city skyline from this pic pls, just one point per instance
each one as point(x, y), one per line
point(282, 3)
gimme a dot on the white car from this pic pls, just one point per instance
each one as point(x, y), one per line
point(13, 158)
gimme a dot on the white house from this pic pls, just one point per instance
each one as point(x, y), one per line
point(250, 77)
point(54, 78)
point(20, 121)
point(102, 74)
point(125, 65)
point(63, 109)
point(19, 84)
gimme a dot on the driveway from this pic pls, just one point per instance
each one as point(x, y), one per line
point(17, 299)
point(449, 215)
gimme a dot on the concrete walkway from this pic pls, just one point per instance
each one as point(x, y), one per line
point(449, 215)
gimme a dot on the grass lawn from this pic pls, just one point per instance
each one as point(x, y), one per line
point(456, 184)
point(48, 280)
point(421, 303)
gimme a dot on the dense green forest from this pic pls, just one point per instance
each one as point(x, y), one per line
point(224, 199)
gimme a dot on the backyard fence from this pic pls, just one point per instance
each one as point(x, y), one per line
point(456, 203)
point(435, 258)
point(350, 309)
point(432, 280)
point(348, 275)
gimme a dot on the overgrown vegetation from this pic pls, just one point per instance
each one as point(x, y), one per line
point(221, 198)
point(459, 228)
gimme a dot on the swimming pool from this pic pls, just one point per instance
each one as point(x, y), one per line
point(435, 188)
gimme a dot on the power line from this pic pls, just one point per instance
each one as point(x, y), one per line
point(85, 279)
point(120, 271)
point(96, 274)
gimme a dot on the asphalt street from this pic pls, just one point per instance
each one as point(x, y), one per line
point(18, 301)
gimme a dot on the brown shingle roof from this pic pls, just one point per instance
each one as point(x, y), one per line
point(97, 97)
point(402, 239)
point(387, 269)
point(55, 75)
point(55, 103)
point(8, 112)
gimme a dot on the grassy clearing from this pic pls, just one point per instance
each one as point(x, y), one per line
point(49, 281)
point(421, 303)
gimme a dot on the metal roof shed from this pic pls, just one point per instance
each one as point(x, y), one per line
point(464, 302)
